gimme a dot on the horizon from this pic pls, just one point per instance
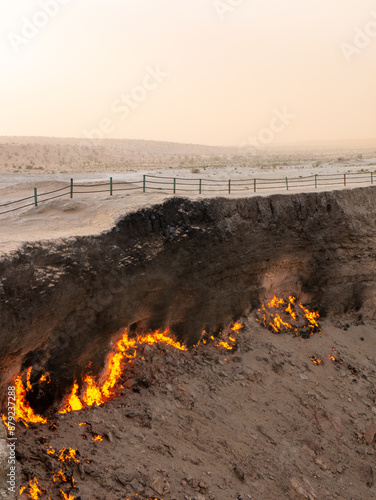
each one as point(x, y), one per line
point(222, 74)
point(334, 143)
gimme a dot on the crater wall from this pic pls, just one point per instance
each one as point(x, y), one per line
point(186, 265)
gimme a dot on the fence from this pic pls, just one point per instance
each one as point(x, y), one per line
point(176, 185)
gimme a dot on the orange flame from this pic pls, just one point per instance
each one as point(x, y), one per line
point(7, 425)
point(73, 403)
point(45, 378)
point(59, 476)
point(236, 327)
point(28, 375)
point(163, 337)
point(316, 360)
point(92, 392)
point(34, 490)
point(66, 496)
point(23, 410)
point(95, 393)
point(68, 455)
point(98, 437)
point(284, 321)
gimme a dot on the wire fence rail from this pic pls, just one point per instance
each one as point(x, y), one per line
point(179, 185)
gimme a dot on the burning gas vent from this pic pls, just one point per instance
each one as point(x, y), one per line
point(288, 316)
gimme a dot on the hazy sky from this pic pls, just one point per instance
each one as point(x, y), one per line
point(220, 72)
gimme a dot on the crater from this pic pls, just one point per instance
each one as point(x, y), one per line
point(184, 265)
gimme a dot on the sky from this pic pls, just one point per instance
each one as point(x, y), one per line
point(216, 72)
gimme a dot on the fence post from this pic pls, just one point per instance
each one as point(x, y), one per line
point(229, 187)
point(71, 188)
point(287, 184)
point(35, 197)
point(344, 179)
point(110, 186)
point(199, 188)
point(144, 184)
point(254, 185)
point(174, 185)
point(315, 181)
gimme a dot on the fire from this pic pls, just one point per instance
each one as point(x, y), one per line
point(335, 359)
point(68, 455)
point(236, 327)
point(59, 476)
point(222, 343)
point(7, 425)
point(28, 375)
point(45, 378)
point(98, 437)
point(23, 410)
point(316, 360)
point(73, 403)
point(95, 393)
point(284, 316)
point(90, 391)
point(34, 490)
point(67, 496)
point(160, 337)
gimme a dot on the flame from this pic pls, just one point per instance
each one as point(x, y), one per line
point(34, 490)
point(90, 391)
point(22, 489)
point(23, 410)
point(28, 375)
point(275, 302)
point(7, 425)
point(73, 403)
point(316, 360)
point(51, 451)
point(236, 327)
point(163, 337)
point(333, 358)
point(290, 311)
point(68, 455)
point(59, 476)
point(277, 324)
point(281, 316)
point(98, 437)
point(311, 316)
point(67, 496)
point(95, 393)
point(45, 378)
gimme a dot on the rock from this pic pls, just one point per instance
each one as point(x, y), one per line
point(239, 472)
point(158, 485)
point(369, 433)
point(138, 487)
point(303, 488)
point(337, 425)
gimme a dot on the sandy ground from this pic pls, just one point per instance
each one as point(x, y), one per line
point(92, 213)
point(260, 422)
